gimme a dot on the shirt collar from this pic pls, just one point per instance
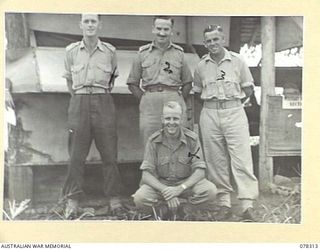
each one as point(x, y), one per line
point(227, 56)
point(153, 45)
point(162, 138)
point(99, 45)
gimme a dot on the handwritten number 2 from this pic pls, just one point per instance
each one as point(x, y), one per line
point(167, 69)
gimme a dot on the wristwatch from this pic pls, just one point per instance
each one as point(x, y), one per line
point(184, 187)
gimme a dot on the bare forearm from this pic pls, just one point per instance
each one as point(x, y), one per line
point(152, 181)
point(186, 88)
point(136, 91)
point(248, 91)
point(69, 84)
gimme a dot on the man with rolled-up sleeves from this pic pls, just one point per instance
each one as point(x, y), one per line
point(159, 74)
point(90, 70)
point(173, 166)
point(223, 79)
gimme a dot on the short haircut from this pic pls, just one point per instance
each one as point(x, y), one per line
point(173, 105)
point(211, 28)
point(99, 16)
point(165, 18)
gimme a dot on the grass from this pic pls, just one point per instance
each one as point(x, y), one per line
point(278, 205)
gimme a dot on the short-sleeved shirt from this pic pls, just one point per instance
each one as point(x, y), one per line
point(153, 66)
point(95, 69)
point(173, 166)
point(223, 80)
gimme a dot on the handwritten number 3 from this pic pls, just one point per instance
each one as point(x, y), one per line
point(222, 75)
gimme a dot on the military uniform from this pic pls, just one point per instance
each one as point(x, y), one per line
point(172, 166)
point(161, 73)
point(91, 114)
point(224, 126)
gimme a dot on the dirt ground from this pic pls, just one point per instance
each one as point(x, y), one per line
point(279, 205)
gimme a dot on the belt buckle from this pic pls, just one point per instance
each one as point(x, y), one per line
point(160, 88)
point(221, 104)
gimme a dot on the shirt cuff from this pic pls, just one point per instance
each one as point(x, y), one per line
point(246, 84)
point(147, 166)
point(132, 81)
point(67, 75)
point(197, 89)
point(199, 164)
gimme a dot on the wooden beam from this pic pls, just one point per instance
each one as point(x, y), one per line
point(235, 34)
point(17, 32)
point(267, 88)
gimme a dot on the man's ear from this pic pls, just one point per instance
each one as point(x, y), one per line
point(153, 29)
point(223, 40)
point(204, 43)
point(162, 119)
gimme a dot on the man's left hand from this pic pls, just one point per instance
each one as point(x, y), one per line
point(171, 192)
point(173, 204)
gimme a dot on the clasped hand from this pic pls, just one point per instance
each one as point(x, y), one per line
point(171, 192)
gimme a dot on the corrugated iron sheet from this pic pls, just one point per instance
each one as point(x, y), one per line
point(289, 31)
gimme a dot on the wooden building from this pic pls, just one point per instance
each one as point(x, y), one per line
point(38, 152)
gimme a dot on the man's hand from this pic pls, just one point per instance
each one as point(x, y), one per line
point(173, 204)
point(136, 91)
point(171, 192)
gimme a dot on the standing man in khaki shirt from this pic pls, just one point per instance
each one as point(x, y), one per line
point(159, 74)
point(90, 70)
point(223, 79)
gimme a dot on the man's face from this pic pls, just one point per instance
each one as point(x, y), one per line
point(214, 42)
point(90, 24)
point(171, 120)
point(162, 30)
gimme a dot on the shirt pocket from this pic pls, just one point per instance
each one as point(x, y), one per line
point(183, 168)
point(210, 87)
point(231, 87)
point(102, 73)
point(173, 69)
point(163, 167)
point(78, 76)
point(149, 68)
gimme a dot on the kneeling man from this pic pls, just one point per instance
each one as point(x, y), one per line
point(173, 165)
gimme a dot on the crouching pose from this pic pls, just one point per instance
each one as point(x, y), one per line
point(173, 165)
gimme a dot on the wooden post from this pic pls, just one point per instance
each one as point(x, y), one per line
point(17, 35)
point(17, 32)
point(235, 34)
point(267, 88)
point(20, 183)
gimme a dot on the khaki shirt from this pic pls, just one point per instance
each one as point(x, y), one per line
point(85, 69)
point(155, 66)
point(224, 80)
point(173, 166)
